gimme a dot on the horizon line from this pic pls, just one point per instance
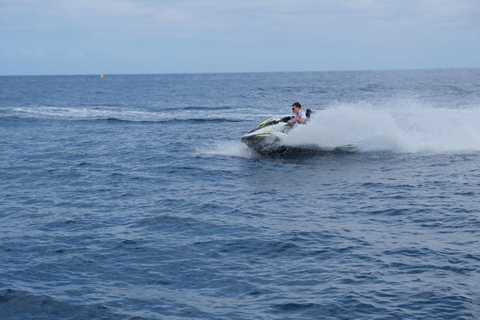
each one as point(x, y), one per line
point(232, 72)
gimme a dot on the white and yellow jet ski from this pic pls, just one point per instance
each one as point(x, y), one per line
point(268, 139)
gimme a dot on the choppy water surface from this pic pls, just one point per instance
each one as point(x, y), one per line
point(131, 197)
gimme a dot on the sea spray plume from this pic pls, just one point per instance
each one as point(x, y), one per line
point(402, 126)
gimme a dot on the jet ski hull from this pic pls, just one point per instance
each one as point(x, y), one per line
point(282, 150)
point(265, 148)
point(263, 144)
point(271, 145)
point(268, 140)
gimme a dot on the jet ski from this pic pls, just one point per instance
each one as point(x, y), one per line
point(268, 139)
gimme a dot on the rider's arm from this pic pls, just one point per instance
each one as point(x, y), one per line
point(300, 119)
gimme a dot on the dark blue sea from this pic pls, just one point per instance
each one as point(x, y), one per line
point(132, 197)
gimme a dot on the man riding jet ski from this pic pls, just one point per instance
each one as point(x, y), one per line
point(300, 116)
point(267, 138)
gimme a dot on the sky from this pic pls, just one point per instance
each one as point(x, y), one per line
point(56, 37)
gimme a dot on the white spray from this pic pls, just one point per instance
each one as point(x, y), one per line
point(400, 127)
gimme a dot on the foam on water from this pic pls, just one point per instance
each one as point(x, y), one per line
point(87, 113)
point(399, 128)
point(228, 148)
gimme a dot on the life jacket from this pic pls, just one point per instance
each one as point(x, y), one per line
point(308, 112)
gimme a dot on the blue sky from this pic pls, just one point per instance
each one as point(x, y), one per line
point(190, 36)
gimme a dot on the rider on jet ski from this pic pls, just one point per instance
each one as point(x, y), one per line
point(300, 115)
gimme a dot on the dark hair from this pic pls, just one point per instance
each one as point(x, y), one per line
point(297, 104)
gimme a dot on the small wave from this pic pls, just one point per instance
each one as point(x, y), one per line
point(86, 113)
point(193, 120)
point(291, 306)
point(204, 108)
point(115, 114)
point(17, 304)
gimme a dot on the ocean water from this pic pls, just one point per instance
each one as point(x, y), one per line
point(131, 197)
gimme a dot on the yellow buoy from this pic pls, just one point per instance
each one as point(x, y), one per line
point(101, 75)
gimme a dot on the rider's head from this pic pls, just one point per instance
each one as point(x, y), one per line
point(295, 106)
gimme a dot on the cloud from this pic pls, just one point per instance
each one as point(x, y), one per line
point(163, 19)
point(75, 55)
point(36, 53)
point(300, 35)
